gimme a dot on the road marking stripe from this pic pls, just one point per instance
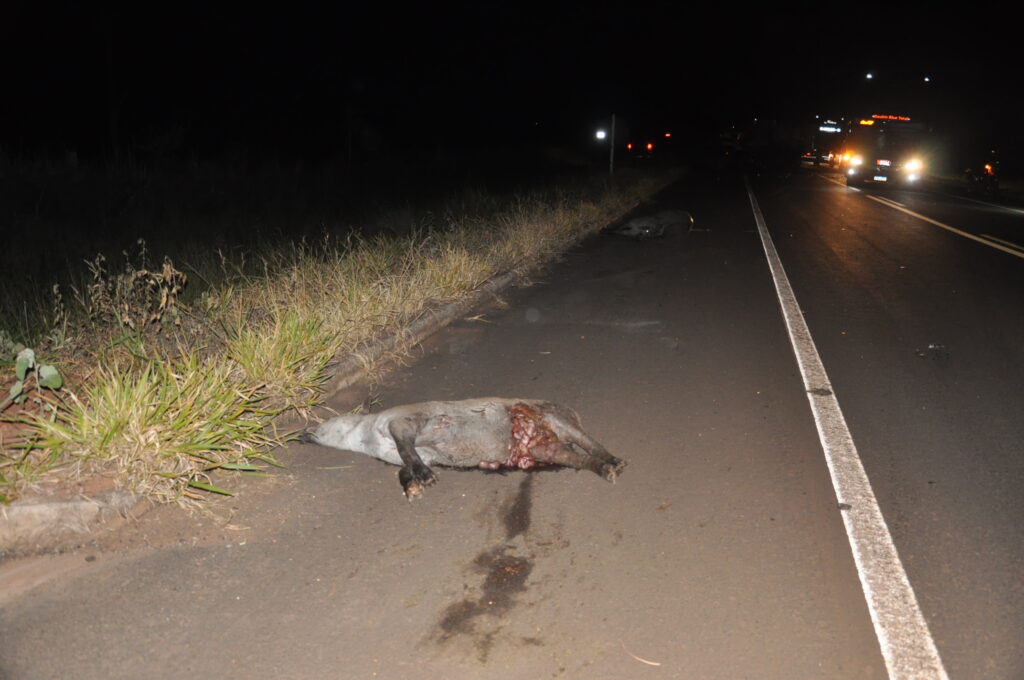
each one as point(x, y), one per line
point(1003, 208)
point(993, 243)
point(988, 204)
point(959, 232)
point(889, 201)
point(1008, 244)
point(906, 643)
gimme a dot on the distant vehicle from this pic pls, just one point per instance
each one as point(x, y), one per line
point(640, 151)
point(648, 146)
point(820, 157)
point(984, 179)
point(884, 148)
point(824, 141)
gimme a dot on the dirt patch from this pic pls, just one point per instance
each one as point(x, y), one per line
point(148, 527)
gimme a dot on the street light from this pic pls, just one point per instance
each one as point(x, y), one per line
point(603, 134)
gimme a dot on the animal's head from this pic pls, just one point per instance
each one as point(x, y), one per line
point(334, 432)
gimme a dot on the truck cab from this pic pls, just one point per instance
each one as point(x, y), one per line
point(883, 149)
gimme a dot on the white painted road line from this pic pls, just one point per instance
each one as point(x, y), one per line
point(995, 206)
point(959, 232)
point(1012, 249)
point(1008, 244)
point(888, 201)
point(907, 645)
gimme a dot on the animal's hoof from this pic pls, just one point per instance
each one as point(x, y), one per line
point(415, 479)
point(610, 471)
point(413, 490)
point(427, 477)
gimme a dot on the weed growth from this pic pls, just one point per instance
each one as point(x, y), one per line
point(171, 386)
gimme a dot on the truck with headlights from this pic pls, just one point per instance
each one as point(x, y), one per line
point(883, 149)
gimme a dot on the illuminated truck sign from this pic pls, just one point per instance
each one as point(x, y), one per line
point(883, 148)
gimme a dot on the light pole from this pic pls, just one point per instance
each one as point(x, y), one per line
point(611, 150)
point(610, 136)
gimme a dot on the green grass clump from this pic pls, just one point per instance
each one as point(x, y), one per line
point(284, 358)
point(162, 427)
point(165, 392)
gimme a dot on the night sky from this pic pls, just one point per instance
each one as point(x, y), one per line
point(314, 84)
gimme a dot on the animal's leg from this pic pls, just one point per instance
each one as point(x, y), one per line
point(414, 474)
point(566, 455)
point(598, 458)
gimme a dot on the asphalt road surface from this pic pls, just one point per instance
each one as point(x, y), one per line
point(916, 302)
point(721, 552)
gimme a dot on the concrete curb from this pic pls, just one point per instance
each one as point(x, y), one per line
point(34, 524)
point(351, 369)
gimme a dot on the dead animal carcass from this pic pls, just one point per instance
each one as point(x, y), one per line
point(645, 227)
point(490, 434)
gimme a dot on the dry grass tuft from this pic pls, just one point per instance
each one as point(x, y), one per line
point(163, 420)
point(163, 427)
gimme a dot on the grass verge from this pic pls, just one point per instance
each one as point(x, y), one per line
point(163, 395)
